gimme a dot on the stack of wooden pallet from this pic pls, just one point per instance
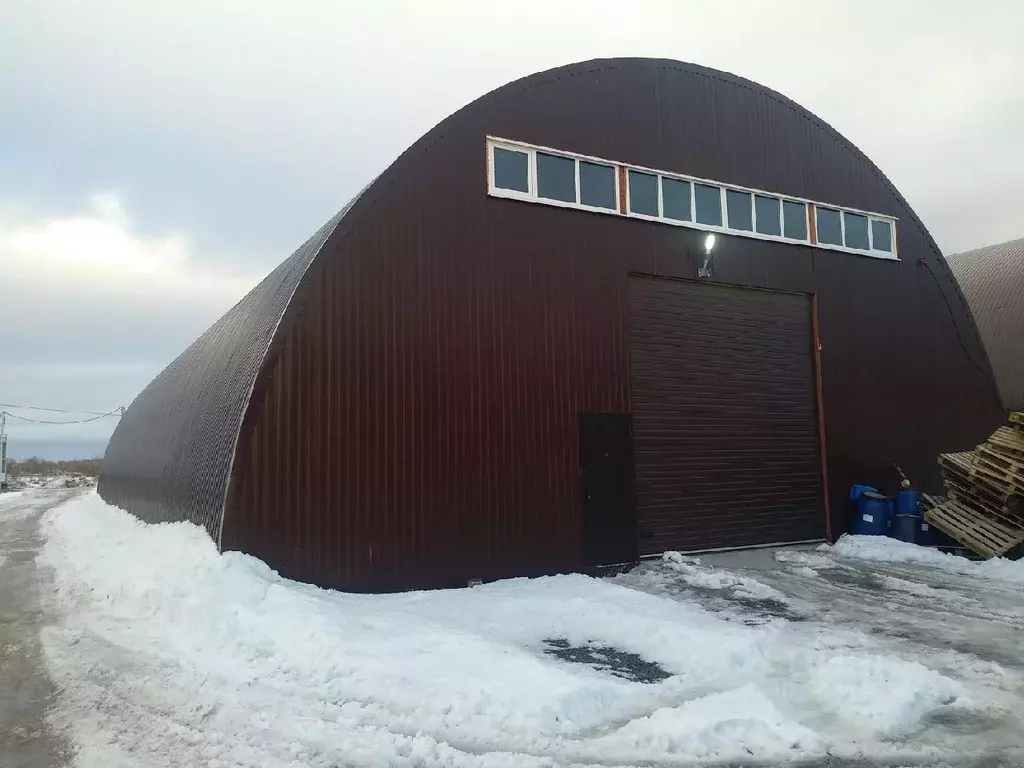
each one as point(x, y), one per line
point(984, 504)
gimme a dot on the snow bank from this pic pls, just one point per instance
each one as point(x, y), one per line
point(885, 550)
point(51, 482)
point(696, 574)
point(9, 497)
point(170, 654)
point(712, 724)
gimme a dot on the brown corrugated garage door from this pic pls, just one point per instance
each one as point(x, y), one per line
point(725, 416)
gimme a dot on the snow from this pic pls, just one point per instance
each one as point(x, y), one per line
point(803, 570)
point(707, 726)
point(912, 687)
point(885, 550)
point(168, 653)
point(50, 482)
point(916, 588)
point(806, 559)
point(696, 574)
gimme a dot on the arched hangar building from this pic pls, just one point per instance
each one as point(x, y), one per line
point(992, 279)
point(511, 355)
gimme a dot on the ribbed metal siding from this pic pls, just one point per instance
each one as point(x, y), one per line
point(725, 416)
point(171, 453)
point(414, 423)
point(419, 426)
point(992, 278)
point(460, 335)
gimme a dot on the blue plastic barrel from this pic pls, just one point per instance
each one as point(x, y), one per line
point(857, 490)
point(906, 503)
point(872, 514)
point(906, 528)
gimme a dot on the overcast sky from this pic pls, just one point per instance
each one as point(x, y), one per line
point(158, 158)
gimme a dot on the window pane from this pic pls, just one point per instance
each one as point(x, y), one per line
point(829, 230)
point(675, 199)
point(643, 193)
point(856, 230)
point(737, 204)
point(510, 170)
point(794, 220)
point(556, 177)
point(881, 235)
point(767, 209)
point(597, 185)
point(707, 204)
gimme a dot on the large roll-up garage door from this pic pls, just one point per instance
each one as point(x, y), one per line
point(725, 416)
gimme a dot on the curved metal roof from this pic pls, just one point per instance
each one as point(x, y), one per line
point(992, 279)
point(171, 454)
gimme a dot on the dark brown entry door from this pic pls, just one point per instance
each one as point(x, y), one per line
point(606, 488)
point(725, 416)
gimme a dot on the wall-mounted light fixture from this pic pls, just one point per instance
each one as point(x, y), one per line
point(709, 244)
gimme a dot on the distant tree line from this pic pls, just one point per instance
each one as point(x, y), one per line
point(47, 468)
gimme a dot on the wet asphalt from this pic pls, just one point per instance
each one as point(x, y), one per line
point(26, 693)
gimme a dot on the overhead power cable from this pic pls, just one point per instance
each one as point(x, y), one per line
point(97, 417)
point(56, 410)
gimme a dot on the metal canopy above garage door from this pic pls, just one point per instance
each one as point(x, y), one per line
point(725, 416)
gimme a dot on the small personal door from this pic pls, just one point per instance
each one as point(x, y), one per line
point(607, 488)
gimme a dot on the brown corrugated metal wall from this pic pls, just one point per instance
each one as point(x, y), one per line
point(725, 416)
point(414, 421)
point(420, 423)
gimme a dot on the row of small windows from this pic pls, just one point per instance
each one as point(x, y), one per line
point(666, 197)
point(563, 179)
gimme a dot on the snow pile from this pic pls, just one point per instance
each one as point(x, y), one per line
point(51, 482)
point(696, 574)
point(885, 550)
point(911, 686)
point(806, 559)
point(718, 723)
point(170, 654)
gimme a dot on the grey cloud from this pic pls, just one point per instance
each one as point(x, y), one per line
point(244, 125)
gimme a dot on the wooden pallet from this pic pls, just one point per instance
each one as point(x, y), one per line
point(973, 494)
point(988, 538)
point(973, 473)
point(986, 509)
point(1007, 442)
point(998, 461)
point(1017, 417)
point(998, 473)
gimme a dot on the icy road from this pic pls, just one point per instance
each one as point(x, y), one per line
point(130, 645)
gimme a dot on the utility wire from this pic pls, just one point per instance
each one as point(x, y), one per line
point(97, 417)
point(55, 410)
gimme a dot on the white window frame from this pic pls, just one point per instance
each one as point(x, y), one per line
point(657, 194)
point(531, 181)
point(618, 176)
point(842, 230)
point(806, 239)
point(661, 202)
point(725, 209)
point(782, 221)
point(891, 253)
point(614, 168)
point(871, 251)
